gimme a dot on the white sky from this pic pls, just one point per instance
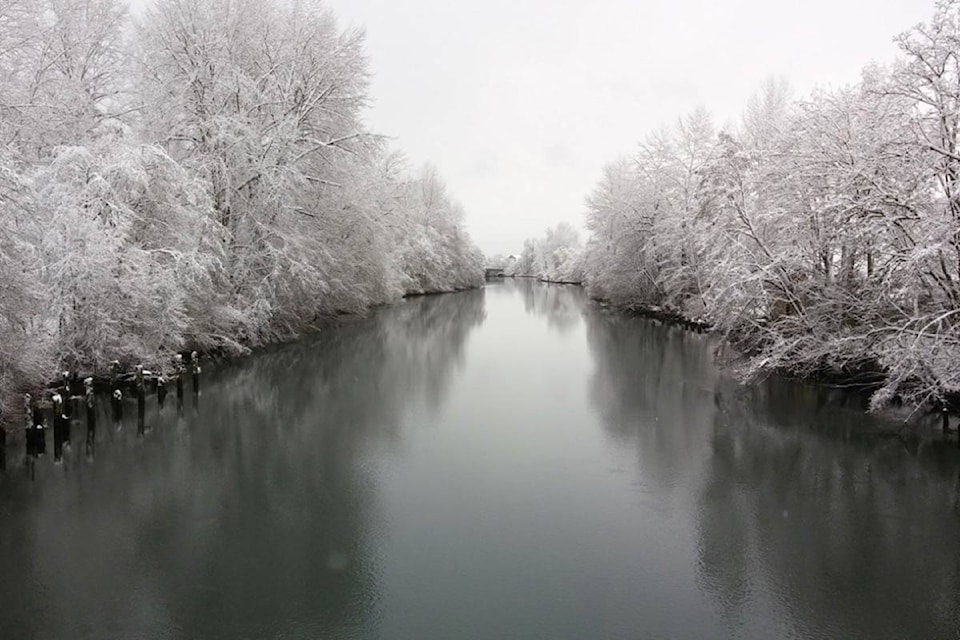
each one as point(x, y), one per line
point(520, 103)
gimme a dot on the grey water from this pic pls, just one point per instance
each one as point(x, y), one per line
point(514, 462)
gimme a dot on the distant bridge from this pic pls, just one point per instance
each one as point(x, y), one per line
point(493, 272)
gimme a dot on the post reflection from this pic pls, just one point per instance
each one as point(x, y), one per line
point(579, 472)
point(252, 519)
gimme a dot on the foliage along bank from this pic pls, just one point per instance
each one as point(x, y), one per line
point(822, 235)
point(199, 177)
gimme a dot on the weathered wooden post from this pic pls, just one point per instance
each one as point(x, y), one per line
point(141, 399)
point(65, 375)
point(195, 363)
point(91, 402)
point(161, 390)
point(33, 422)
point(116, 405)
point(178, 369)
point(61, 427)
point(114, 375)
point(195, 374)
point(38, 419)
point(944, 419)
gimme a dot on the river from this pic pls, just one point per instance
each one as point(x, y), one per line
point(513, 462)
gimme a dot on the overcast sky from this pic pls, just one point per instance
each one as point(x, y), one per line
point(520, 103)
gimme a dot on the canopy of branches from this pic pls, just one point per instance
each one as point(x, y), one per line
point(821, 235)
point(198, 179)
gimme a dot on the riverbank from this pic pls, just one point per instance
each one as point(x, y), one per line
point(866, 378)
point(164, 368)
point(119, 242)
point(516, 446)
point(664, 315)
point(578, 283)
point(863, 380)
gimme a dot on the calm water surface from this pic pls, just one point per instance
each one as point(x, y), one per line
point(509, 463)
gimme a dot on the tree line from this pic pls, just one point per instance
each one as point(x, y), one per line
point(198, 177)
point(557, 256)
point(818, 236)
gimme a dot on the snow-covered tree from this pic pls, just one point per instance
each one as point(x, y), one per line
point(208, 184)
point(820, 236)
point(556, 257)
point(62, 64)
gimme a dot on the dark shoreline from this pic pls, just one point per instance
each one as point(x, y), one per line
point(860, 382)
point(126, 379)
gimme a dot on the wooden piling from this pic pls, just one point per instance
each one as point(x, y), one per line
point(116, 405)
point(140, 384)
point(36, 442)
point(91, 403)
point(195, 364)
point(65, 375)
point(141, 399)
point(33, 428)
point(114, 375)
point(61, 427)
point(91, 400)
point(178, 367)
point(161, 390)
point(944, 419)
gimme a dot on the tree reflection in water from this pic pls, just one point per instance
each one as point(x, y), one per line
point(619, 482)
point(836, 522)
point(652, 389)
point(801, 507)
point(255, 513)
point(561, 304)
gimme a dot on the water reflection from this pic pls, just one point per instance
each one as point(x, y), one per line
point(652, 387)
point(809, 523)
point(561, 305)
point(834, 528)
point(253, 518)
point(511, 463)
